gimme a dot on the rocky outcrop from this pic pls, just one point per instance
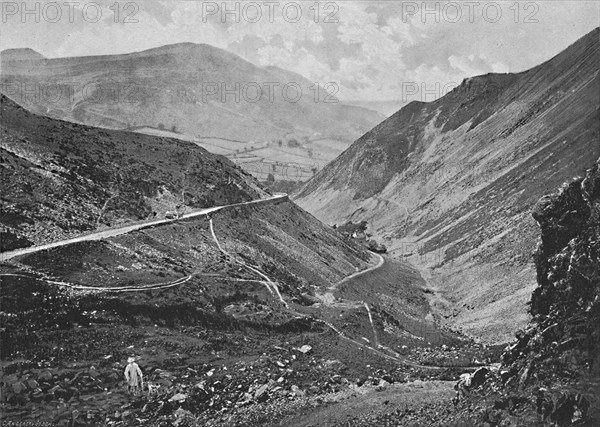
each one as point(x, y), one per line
point(552, 370)
point(565, 305)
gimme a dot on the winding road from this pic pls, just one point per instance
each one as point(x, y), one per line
point(270, 284)
point(380, 262)
point(328, 297)
point(104, 234)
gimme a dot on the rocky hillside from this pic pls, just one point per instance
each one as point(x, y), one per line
point(181, 87)
point(449, 184)
point(207, 330)
point(61, 179)
point(551, 373)
point(239, 316)
point(560, 352)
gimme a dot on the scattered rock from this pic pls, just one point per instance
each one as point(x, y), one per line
point(182, 417)
point(19, 388)
point(45, 376)
point(32, 384)
point(179, 397)
point(305, 349)
point(260, 394)
point(479, 377)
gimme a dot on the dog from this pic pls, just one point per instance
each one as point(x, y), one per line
point(152, 389)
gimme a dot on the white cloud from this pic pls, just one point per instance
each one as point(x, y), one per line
point(291, 33)
point(371, 53)
point(499, 67)
point(466, 66)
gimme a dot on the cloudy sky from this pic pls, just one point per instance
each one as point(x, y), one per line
point(373, 50)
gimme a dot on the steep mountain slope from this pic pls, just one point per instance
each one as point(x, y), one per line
point(199, 90)
point(449, 184)
point(60, 179)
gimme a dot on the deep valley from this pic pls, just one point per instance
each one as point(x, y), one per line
point(178, 258)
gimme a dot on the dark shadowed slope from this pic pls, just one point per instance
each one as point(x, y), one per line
point(450, 183)
point(60, 179)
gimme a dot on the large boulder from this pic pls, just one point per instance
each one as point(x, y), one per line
point(569, 223)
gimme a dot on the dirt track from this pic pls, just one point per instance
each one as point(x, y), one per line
point(271, 286)
point(355, 406)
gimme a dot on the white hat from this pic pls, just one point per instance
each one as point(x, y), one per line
point(131, 359)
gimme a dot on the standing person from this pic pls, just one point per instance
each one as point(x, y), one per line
point(133, 376)
point(462, 387)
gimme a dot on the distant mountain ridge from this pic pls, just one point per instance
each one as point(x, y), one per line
point(449, 184)
point(20, 54)
point(197, 89)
